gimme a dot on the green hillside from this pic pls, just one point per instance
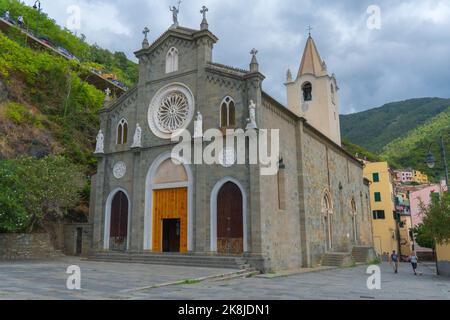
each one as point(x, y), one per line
point(376, 128)
point(46, 108)
point(401, 132)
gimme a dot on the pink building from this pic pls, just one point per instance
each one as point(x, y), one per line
point(416, 197)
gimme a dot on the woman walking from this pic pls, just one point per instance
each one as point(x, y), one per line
point(414, 260)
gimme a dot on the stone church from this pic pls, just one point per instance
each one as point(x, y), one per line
point(146, 205)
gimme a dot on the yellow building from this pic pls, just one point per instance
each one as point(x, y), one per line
point(443, 258)
point(420, 178)
point(383, 206)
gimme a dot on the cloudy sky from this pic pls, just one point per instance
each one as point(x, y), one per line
point(407, 57)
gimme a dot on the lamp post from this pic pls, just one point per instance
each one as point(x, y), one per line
point(431, 160)
point(37, 6)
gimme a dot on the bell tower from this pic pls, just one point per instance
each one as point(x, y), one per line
point(313, 94)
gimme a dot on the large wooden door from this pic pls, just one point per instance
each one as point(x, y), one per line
point(119, 222)
point(230, 229)
point(170, 204)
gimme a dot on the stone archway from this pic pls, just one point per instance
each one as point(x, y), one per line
point(228, 211)
point(353, 212)
point(168, 216)
point(117, 221)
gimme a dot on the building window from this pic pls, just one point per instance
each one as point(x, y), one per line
point(172, 60)
point(227, 113)
point(379, 215)
point(377, 197)
point(332, 94)
point(281, 185)
point(122, 132)
point(376, 177)
point(307, 91)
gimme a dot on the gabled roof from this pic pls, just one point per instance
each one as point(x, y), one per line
point(179, 32)
point(311, 63)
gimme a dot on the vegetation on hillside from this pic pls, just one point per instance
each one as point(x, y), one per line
point(35, 191)
point(116, 63)
point(360, 152)
point(376, 128)
point(402, 132)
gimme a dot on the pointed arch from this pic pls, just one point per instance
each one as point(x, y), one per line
point(327, 213)
point(152, 184)
point(107, 222)
point(307, 91)
point(213, 212)
point(227, 113)
point(122, 132)
point(172, 60)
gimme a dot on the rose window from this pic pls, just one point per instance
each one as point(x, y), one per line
point(173, 112)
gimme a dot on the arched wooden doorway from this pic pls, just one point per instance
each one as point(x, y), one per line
point(230, 226)
point(118, 230)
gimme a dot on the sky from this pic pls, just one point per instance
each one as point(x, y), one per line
point(380, 50)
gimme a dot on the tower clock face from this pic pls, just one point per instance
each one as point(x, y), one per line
point(227, 157)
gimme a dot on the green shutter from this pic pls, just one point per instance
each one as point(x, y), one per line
point(377, 197)
point(376, 177)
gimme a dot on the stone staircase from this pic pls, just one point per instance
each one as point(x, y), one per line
point(238, 263)
point(361, 254)
point(337, 259)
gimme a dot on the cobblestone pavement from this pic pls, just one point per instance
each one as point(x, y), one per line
point(100, 280)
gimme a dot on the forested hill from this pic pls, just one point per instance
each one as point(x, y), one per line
point(401, 132)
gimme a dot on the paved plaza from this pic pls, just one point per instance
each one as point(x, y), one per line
point(100, 280)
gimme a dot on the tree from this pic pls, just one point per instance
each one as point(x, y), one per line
point(424, 237)
point(34, 191)
point(436, 219)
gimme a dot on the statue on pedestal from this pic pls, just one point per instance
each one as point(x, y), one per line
point(198, 126)
point(100, 146)
point(137, 139)
point(252, 120)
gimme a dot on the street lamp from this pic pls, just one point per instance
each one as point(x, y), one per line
point(431, 160)
point(37, 6)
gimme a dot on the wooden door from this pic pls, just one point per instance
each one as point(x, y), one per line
point(119, 222)
point(230, 228)
point(170, 204)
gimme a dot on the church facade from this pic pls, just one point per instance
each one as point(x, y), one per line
point(143, 202)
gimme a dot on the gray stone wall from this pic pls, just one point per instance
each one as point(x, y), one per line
point(444, 268)
point(326, 167)
point(26, 247)
point(70, 239)
point(281, 240)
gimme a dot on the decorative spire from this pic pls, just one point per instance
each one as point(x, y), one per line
point(289, 76)
point(254, 65)
point(145, 43)
point(311, 63)
point(204, 25)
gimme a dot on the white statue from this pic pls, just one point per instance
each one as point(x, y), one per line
point(137, 139)
point(252, 121)
point(100, 148)
point(198, 126)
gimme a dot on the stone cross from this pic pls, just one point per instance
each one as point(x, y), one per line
point(309, 30)
point(204, 11)
point(146, 32)
point(254, 52)
point(108, 92)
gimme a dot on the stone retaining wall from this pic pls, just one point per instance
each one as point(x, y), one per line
point(26, 247)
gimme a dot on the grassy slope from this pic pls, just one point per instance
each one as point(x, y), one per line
point(376, 128)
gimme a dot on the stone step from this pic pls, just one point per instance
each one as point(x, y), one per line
point(173, 259)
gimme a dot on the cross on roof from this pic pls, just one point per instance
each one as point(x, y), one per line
point(254, 52)
point(108, 92)
point(204, 11)
point(146, 32)
point(309, 28)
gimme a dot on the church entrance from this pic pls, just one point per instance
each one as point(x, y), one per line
point(170, 220)
point(118, 233)
point(230, 229)
point(171, 235)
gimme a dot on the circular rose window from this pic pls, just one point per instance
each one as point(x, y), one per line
point(171, 111)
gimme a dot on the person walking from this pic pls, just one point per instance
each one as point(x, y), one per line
point(414, 261)
point(20, 21)
point(394, 261)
